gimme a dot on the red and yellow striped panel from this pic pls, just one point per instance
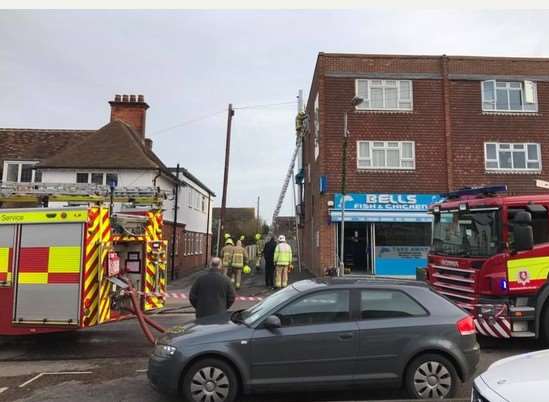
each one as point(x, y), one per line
point(155, 278)
point(6, 256)
point(91, 269)
point(527, 274)
point(45, 265)
point(104, 284)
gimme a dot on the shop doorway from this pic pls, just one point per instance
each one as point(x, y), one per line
point(359, 247)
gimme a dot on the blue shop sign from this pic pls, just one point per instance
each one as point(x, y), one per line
point(395, 202)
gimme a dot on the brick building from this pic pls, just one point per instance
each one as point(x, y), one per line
point(118, 152)
point(424, 125)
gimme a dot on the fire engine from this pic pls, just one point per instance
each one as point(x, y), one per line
point(68, 262)
point(490, 255)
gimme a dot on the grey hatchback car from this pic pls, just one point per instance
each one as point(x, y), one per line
point(318, 334)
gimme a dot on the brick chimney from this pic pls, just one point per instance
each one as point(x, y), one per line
point(130, 109)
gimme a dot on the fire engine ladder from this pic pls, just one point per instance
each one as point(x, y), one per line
point(286, 183)
point(11, 192)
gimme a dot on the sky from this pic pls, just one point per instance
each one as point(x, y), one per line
point(59, 69)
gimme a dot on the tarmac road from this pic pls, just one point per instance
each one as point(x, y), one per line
point(108, 363)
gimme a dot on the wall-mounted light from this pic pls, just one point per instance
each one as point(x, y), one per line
point(330, 204)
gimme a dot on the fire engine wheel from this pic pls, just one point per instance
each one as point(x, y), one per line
point(210, 380)
point(544, 324)
point(431, 376)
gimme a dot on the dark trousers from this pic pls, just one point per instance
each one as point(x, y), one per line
point(269, 274)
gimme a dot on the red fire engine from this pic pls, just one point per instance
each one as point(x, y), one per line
point(490, 255)
point(68, 262)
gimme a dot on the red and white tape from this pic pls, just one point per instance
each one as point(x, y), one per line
point(184, 296)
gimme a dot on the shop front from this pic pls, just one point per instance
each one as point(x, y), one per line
point(385, 234)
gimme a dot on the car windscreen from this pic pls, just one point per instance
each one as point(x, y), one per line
point(467, 233)
point(259, 310)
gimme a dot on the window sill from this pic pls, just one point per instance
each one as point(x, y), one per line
point(520, 172)
point(385, 170)
point(383, 111)
point(510, 113)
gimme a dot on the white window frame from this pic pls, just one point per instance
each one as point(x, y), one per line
point(385, 147)
point(512, 149)
point(19, 170)
point(103, 177)
point(366, 95)
point(494, 102)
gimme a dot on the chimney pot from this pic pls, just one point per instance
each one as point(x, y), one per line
point(140, 98)
point(117, 98)
point(124, 98)
point(132, 98)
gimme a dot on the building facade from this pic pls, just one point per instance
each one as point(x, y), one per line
point(422, 125)
point(121, 154)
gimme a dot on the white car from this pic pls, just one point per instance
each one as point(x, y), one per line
point(521, 378)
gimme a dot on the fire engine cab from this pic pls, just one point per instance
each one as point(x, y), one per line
point(490, 255)
point(67, 260)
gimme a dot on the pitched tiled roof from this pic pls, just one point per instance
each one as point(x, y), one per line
point(33, 144)
point(113, 146)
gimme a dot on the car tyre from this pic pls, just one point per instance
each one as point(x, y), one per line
point(544, 324)
point(210, 380)
point(431, 376)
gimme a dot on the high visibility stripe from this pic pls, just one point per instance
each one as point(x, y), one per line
point(33, 278)
point(33, 259)
point(527, 273)
point(91, 269)
point(104, 284)
point(46, 216)
point(63, 277)
point(5, 265)
point(64, 260)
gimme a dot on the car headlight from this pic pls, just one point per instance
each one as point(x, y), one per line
point(164, 350)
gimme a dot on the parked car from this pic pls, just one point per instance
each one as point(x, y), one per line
point(520, 378)
point(318, 334)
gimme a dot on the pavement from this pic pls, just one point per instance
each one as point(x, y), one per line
point(108, 362)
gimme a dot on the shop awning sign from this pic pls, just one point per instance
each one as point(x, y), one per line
point(390, 202)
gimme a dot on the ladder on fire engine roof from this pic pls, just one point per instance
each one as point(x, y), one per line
point(78, 193)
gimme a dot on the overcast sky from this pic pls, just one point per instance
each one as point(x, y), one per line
point(59, 69)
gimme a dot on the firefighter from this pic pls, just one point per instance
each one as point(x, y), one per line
point(227, 256)
point(239, 260)
point(268, 253)
point(283, 261)
point(242, 238)
point(259, 244)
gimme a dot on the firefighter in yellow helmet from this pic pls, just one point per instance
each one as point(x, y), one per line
point(283, 260)
point(226, 255)
point(240, 259)
point(259, 244)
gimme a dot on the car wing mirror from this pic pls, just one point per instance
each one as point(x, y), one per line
point(272, 322)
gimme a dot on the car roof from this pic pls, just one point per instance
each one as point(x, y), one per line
point(362, 281)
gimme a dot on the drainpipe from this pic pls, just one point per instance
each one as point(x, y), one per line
point(447, 122)
point(208, 231)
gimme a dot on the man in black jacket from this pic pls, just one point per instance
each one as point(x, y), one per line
point(212, 293)
point(268, 253)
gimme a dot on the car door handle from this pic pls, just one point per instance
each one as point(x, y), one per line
point(346, 336)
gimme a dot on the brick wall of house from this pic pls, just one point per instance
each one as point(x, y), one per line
point(449, 137)
point(192, 249)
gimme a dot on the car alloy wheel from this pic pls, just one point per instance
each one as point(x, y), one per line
point(210, 384)
point(432, 380)
point(210, 380)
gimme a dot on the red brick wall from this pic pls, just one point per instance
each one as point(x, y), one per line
point(132, 114)
point(190, 251)
point(468, 128)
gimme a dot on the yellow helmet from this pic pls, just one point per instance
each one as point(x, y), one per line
point(242, 237)
point(258, 236)
point(229, 241)
point(247, 269)
point(227, 236)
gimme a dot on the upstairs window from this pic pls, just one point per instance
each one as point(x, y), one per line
point(384, 94)
point(97, 178)
point(512, 157)
point(386, 155)
point(509, 96)
point(21, 172)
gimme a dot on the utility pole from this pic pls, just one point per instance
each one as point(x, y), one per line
point(258, 221)
point(174, 233)
point(220, 227)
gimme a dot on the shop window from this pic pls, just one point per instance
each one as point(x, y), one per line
point(512, 156)
point(386, 155)
point(403, 234)
point(384, 94)
point(509, 96)
point(376, 304)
